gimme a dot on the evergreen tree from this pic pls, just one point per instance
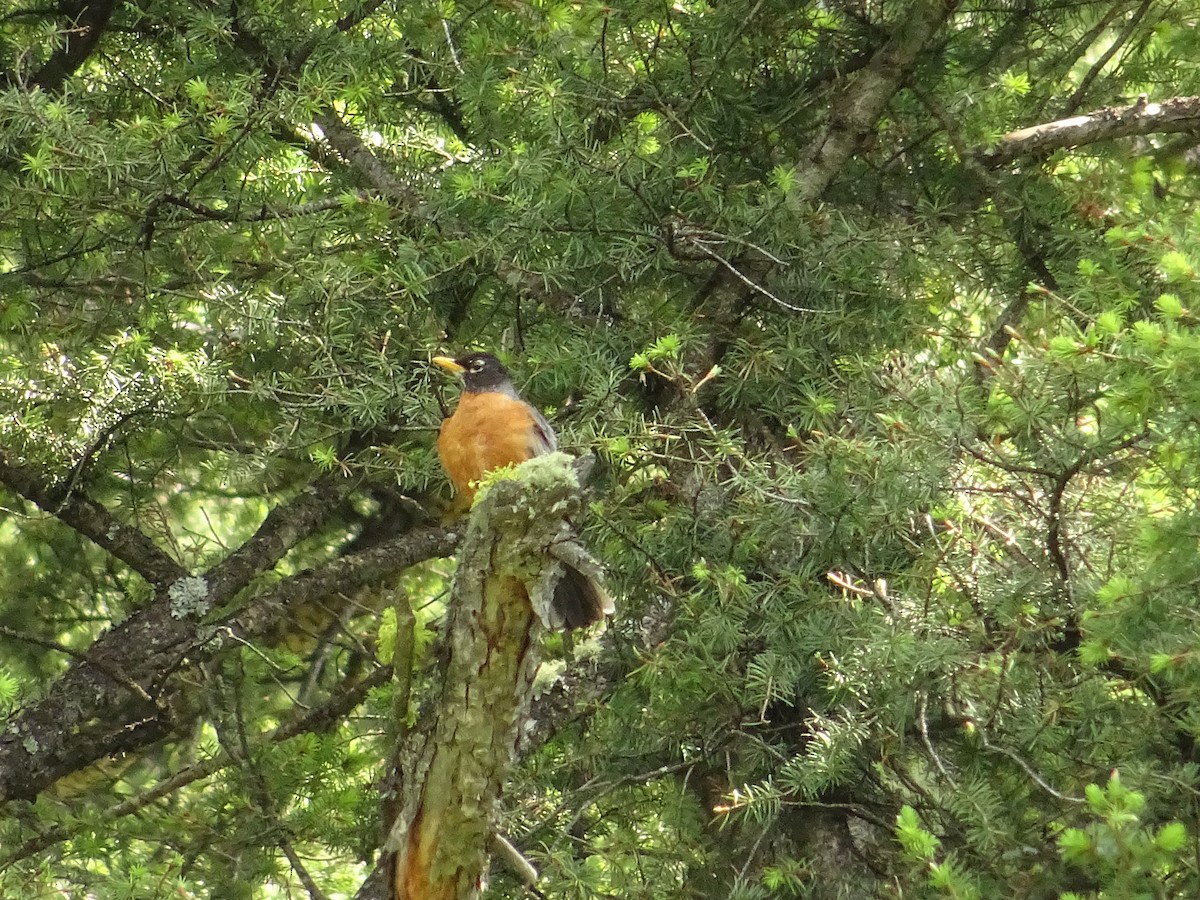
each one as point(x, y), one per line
point(877, 316)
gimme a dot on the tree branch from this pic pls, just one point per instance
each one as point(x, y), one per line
point(347, 574)
point(351, 148)
point(283, 527)
point(853, 115)
point(87, 22)
point(94, 522)
point(88, 715)
point(317, 719)
point(269, 213)
point(857, 108)
point(1178, 114)
point(1076, 99)
point(1019, 228)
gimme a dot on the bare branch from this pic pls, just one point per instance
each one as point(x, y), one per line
point(94, 522)
point(1173, 116)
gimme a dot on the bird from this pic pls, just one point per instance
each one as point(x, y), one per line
point(493, 427)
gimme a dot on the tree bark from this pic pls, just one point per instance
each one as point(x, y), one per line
point(454, 767)
point(116, 697)
point(1172, 116)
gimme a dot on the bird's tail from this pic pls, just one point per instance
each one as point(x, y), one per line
point(579, 600)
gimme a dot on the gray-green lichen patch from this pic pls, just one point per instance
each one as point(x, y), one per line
point(189, 597)
point(542, 486)
point(521, 527)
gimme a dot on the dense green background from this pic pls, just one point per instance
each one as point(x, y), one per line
point(899, 447)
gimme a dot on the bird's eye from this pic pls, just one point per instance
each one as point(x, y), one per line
point(477, 365)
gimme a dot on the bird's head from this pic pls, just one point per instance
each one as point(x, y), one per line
point(480, 372)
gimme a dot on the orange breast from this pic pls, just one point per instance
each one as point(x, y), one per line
point(487, 431)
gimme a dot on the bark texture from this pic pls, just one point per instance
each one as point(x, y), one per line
point(456, 765)
point(119, 695)
point(1173, 116)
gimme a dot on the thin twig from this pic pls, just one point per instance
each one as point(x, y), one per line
point(1025, 767)
point(261, 794)
point(450, 44)
point(923, 728)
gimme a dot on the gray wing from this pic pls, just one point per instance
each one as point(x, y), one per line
point(542, 440)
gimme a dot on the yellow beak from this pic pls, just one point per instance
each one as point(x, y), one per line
point(448, 364)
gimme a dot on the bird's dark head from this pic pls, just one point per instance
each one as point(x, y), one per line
point(480, 372)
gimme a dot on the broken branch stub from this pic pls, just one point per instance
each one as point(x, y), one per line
point(455, 764)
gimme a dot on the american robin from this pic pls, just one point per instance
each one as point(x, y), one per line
point(493, 427)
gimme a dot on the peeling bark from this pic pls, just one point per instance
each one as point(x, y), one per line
point(1178, 114)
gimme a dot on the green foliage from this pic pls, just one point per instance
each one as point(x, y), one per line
point(1122, 857)
point(897, 481)
point(919, 845)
